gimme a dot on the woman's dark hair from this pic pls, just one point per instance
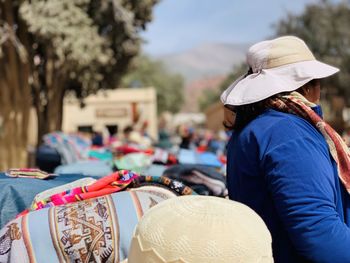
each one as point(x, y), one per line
point(247, 113)
point(309, 84)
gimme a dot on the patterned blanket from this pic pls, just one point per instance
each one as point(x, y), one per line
point(94, 230)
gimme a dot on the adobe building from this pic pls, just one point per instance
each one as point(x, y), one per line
point(120, 107)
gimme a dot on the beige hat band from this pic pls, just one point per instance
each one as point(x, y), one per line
point(281, 61)
point(286, 50)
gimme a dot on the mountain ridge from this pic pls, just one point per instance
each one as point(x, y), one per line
point(206, 60)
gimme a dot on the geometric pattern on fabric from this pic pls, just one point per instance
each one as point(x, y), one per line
point(93, 230)
point(85, 231)
point(12, 240)
point(175, 186)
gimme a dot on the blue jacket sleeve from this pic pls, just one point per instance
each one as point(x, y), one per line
point(303, 184)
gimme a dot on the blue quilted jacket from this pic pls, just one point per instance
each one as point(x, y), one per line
point(280, 166)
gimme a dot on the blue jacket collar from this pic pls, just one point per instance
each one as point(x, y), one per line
point(318, 110)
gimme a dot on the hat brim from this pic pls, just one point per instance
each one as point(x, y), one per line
point(269, 82)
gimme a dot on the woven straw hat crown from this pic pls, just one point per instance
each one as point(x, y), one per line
point(200, 229)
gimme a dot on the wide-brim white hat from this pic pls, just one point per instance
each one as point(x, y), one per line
point(192, 229)
point(280, 65)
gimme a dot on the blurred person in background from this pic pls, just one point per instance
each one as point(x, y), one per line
point(97, 139)
point(164, 137)
point(112, 135)
point(134, 137)
point(186, 133)
point(283, 160)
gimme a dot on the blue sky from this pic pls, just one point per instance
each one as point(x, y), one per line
point(181, 24)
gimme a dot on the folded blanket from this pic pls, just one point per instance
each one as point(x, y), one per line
point(71, 147)
point(93, 230)
point(202, 179)
point(137, 162)
point(32, 173)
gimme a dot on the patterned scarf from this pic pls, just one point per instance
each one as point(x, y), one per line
point(116, 182)
point(107, 185)
point(297, 104)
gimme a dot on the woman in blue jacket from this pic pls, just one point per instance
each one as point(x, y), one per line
point(284, 161)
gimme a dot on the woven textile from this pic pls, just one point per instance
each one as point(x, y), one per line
point(71, 147)
point(106, 185)
point(93, 230)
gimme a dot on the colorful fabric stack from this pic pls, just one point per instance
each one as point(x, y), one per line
point(94, 230)
point(161, 156)
point(94, 168)
point(136, 162)
point(71, 147)
point(206, 158)
point(102, 154)
point(59, 189)
point(202, 179)
point(104, 186)
point(131, 148)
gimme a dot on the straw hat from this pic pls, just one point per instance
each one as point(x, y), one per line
point(200, 229)
point(279, 65)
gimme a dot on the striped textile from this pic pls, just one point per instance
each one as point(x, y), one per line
point(93, 230)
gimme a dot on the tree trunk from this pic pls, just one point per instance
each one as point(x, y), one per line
point(50, 112)
point(50, 116)
point(15, 96)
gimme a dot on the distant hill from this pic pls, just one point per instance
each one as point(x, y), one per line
point(205, 61)
point(195, 89)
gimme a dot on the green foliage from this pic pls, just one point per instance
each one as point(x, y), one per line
point(208, 98)
point(65, 26)
point(76, 46)
point(324, 26)
point(93, 41)
point(120, 22)
point(151, 73)
point(237, 71)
